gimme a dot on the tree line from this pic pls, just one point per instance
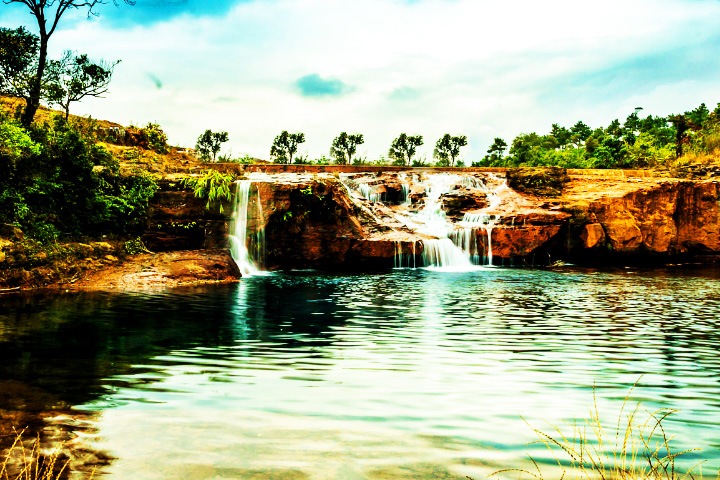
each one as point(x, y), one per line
point(637, 142)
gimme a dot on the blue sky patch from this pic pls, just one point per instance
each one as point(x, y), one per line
point(314, 85)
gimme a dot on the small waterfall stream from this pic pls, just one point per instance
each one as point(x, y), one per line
point(246, 247)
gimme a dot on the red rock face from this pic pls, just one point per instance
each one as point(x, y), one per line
point(670, 218)
point(315, 222)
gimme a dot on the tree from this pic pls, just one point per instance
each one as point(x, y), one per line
point(404, 147)
point(208, 144)
point(561, 134)
point(448, 148)
point(496, 151)
point(345, 146)
point(285, 146)
point(74, 77)
point(48, 13)
point(18, 58)
point(580, 132)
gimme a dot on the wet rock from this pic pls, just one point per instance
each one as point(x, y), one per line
point(592, 235)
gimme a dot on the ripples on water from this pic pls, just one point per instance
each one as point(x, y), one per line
point(413, 374)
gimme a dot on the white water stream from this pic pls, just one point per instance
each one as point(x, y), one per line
point(246, 248)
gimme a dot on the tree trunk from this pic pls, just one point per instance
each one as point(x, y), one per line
point(33, 101)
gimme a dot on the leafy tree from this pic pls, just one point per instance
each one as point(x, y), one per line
point(495, 154)
point(404, 147)
point(209, 143)
point(682, 125)
point(285, 146)
point(561, 135)
point(18, 58)
point(48, 13)
point(580, 132)
point(448, 148)
point(75, 77)
point(344, 147)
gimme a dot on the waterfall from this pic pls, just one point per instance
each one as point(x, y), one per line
point(466, 238)
point(442, 252)
point(246, 248)
point(405, 194)
point(403, 259)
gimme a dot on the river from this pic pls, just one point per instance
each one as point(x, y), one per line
point(410, 374)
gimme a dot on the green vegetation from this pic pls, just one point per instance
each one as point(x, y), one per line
point(56, 182)
point(649, 142)
point(285, 146)
point(344, 147)
point(29, 64)
point(404, 148)
point(213, 186)
point(636, 447)
point(448, 148)
point(209, 143)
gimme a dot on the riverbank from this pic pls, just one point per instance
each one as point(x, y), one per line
point(368, 221)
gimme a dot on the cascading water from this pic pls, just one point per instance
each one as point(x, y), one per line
point(403, 259)
point(467, 236)
point(440, 252)
point(246, 248)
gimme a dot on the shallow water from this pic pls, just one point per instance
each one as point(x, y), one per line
point(412, 374)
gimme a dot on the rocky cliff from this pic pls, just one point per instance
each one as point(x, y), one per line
point(381, 220)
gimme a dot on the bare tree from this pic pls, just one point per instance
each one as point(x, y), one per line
point(48, 13)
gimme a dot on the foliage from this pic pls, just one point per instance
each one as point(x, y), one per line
point(285, 146)
point(637, 446)
point(209, 143)
point(404, 147)
point(155, 137)
point(344, 147)
point(213, 186)
point(135, 246)
point(55, 182)
point(638, 142)
point(18, 61)
point(75, 77)
point(547, 181)
point(15, 142)
point(448, 148)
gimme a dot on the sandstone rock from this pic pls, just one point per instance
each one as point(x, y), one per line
point(11, 232)
point(102, 247)
point(592, 235)
point(513, 242)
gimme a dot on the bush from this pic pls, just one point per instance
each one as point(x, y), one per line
point(155, 137)
point(52, 187)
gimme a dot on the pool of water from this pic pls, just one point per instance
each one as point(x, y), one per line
point(411, 374)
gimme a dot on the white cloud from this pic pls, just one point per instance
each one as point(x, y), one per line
point(475, 67)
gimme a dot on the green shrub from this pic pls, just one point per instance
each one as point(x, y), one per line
point(213, 186)
point(155, 137)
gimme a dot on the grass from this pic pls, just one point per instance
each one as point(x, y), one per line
point(23, 462)
point(636, 447)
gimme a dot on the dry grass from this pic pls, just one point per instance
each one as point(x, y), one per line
point(25, 461)
point(636, 447)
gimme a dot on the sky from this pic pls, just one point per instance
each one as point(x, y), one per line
point(480, 68)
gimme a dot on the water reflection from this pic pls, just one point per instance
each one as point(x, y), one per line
point(312, 376)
